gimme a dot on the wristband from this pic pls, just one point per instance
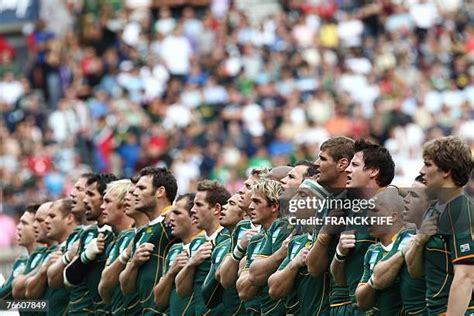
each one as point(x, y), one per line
point(371, 282)
point(339, 258)
point(238, 254)
point(65, 259)
point(340, 255)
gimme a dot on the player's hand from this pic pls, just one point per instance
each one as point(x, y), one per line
point(300, 259)
point(53, 257)
point(142, 254)
point(100, 243)
point(347, 241)
point(204, 252)
point(179, 262)
point(244, 242)
point(428, 228)
point(72, 252)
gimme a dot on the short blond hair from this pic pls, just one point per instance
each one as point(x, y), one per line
point(271, 189)
point(120, 188)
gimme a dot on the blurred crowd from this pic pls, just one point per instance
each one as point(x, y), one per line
point(113, 86)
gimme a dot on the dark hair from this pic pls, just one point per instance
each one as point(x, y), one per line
point(162, 177)
point(215, 192)
point(377, 157)
point(311, 171)
point(135, 179)
point(101, 179)
point(87, 175)
point(339, 147)
point(189, 200)
point(32, 208)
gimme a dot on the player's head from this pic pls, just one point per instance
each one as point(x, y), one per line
point(371, 167)
point(296, 175)
point(155, 186)
point(335, 154)
point(231, 213)
point(180, 216)
point(78, 193)
point(39, 224)
point(447, 163)
point(140, 218)
point(245, 191)
point(265, 205)
point(60, 220)
point(416, 202)
point(113, 204)
point(388, 204)
point(25, 230)
point(309, 189)
point(95, 191)
point(278, 173)
point(208, 202)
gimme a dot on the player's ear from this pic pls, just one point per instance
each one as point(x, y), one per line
point(160, 192)
point(342, 164)
point(373, 173)
point(217, 209)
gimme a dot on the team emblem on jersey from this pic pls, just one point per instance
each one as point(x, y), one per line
point(465, 248)
point(149, 230)
point(373, 259)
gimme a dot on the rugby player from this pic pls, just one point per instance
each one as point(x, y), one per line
point(26, 238)
point(387, 301)
point(393, 267)
point(45, 244)
point(116, 213)
point(60, 222)
point(213, 292)
point(334, 157)
point(371, 169)
point(242, 233)
point(154, 194)
point(443, 250)
point(83, 273)
point(208, 202)
point(265, 211)
point(56, 269)
point(182, 227)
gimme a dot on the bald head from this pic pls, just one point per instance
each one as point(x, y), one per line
point(389, 201)
point(278, 173)
point(39, 225)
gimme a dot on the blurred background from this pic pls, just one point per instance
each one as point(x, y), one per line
point(212, 88)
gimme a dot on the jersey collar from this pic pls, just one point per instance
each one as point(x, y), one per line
point(213, 237)
point(160, 218)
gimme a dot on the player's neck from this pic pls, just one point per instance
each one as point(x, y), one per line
point(86, 222)
point(160, 209)
point(212, 228)
point(448, 192)
point(394, 229)
point(140, 220)
point(66, 233)
point(124, 223)
point(193, 232)
point(31, 247)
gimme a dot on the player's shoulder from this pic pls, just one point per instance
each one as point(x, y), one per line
point(243, 224)
point(178, 247)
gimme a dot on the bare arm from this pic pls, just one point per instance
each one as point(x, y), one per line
point(56, 270)
point(19, 286)
point(185, 278)
point(245, 288)
point(386, 272)
point(128, 277)
point(263, 267)
point(318, 259)
point(111, 276)
point(346, 243)
point(414, 255)
point(37, 283)
point(163, 289)
point(282, 282)
point(365, 295)
point(461, 289)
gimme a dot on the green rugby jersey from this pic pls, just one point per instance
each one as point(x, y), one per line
point(354, 263)
point(310, 302)
point(18, 268)
point(388, 301)
point(239, 232)
point(84, 298)
point(201, 273)
point(157, 232)
point(120, 301)
point(177, 304)
point(213, 292)
point(274, 238)
point(338, 295)
point(453, 245)
point(412, 290)
point(253, 306)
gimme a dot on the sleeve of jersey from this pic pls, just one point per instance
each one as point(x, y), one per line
point(366, 275)
point(74, 273)
point(251, 250)
point(6, 288)
point(113, 251)
point(212, 290)
point(284, 230)
point(461, 238)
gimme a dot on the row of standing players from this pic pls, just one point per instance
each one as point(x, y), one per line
point(121, 246)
